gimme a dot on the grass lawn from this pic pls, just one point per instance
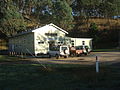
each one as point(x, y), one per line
point(105, 50)
point(58, 77)
point(6, 58)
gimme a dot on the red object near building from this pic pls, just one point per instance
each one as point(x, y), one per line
point(79, 52)
point(72, 51)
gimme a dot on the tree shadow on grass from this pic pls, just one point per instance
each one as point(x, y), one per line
point(57, 77)
point(29, 75)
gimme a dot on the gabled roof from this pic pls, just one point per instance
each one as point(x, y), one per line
point(51, 24)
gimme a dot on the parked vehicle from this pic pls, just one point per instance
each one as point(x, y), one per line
point(79, 50)
point(83, 49)
point(59, 51)
point(76, 51)
point(72, 51)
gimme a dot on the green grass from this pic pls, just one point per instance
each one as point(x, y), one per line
point(58, 77)
point(104, 50)
point(2, 57)
point(8, 58)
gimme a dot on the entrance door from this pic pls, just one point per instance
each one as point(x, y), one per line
point(51, 44)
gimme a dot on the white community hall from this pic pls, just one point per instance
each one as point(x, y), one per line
point(39, 41)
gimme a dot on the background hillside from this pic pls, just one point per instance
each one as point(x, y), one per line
point(107, 34)
point(98, 19)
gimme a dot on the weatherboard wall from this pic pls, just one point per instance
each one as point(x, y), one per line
point(44, 35)
point(22, 43)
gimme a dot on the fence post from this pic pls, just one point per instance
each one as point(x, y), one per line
point(97, 65)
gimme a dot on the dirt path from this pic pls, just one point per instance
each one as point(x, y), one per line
point(104, 58)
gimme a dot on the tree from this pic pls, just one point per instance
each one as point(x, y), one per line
point(62, 14)
point(11, 20)
point(104, 8)
point(93, 32)
point(57, 12)
point(107, 9)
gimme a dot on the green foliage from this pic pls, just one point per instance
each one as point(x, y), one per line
point(93, 32)
point(48, 11)
point(11, 20)
point(62, 14)
point(105, 8)
point(108, 9)
point(93, 27)
point(59, 12)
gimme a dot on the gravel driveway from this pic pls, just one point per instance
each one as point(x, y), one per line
point(103, 57)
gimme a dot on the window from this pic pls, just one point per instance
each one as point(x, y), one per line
point(79, 47)
point(41, 42)
point(60, 42)
point(83, 42)
point(72, 44)
point(64, 48)
point(72, 41)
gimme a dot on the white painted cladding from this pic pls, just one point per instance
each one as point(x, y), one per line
point(80, 41)
point(36, 41)
point(42, 39)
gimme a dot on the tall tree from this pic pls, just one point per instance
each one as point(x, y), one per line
point(58, 12)
point(107, 8)
point(11, 20)
point(62, 14)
